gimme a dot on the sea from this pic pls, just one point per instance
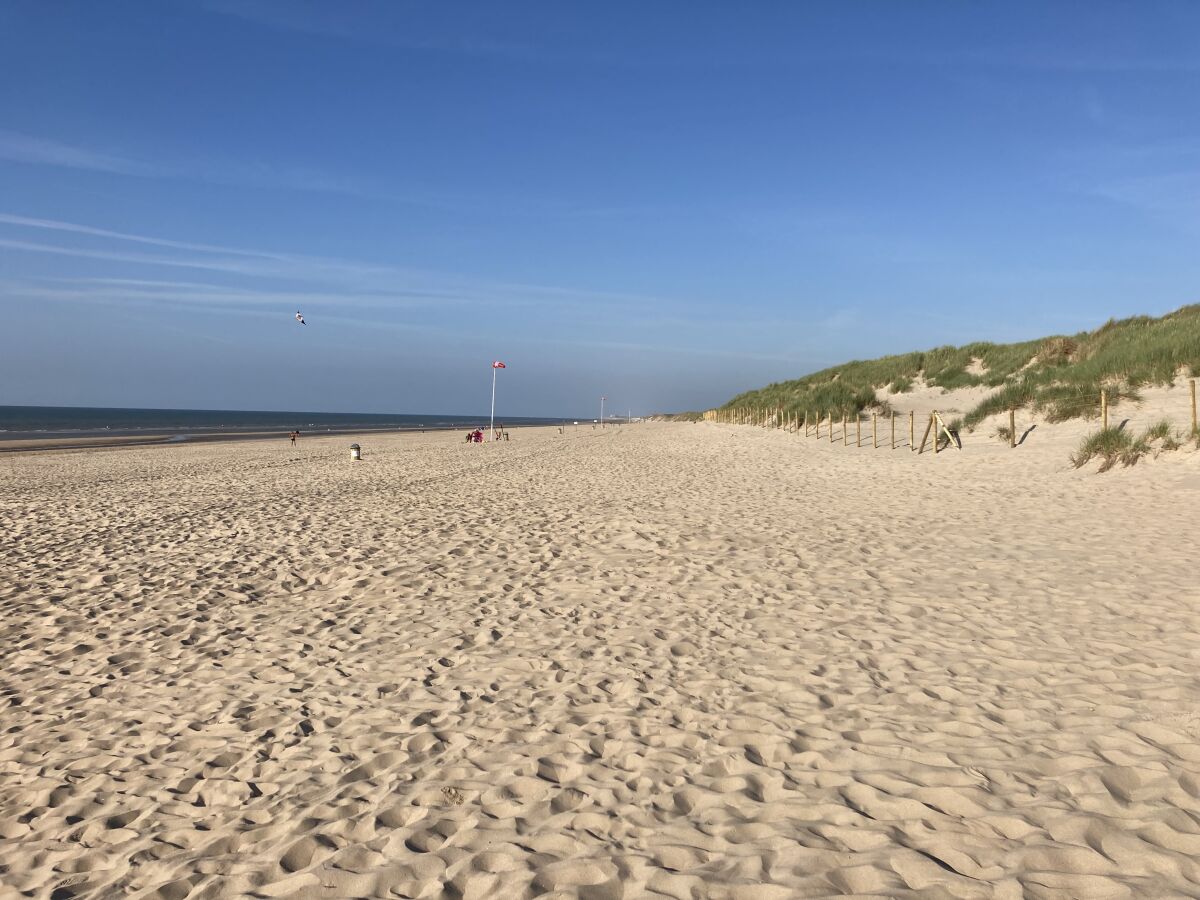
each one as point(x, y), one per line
point(43, 422)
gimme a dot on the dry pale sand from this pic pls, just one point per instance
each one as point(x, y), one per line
point(668, 660)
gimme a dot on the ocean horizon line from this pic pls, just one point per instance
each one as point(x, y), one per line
point(41, 422)
point(206, 409)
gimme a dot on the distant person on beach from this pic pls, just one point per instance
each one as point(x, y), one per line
point(293, 436)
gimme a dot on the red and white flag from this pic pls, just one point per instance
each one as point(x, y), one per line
point(498, 365)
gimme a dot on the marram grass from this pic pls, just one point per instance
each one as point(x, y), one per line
point(1059, 376)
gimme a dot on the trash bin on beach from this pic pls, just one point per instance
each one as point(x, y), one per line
point(355, 451)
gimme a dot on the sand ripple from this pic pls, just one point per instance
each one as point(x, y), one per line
point(667, 661)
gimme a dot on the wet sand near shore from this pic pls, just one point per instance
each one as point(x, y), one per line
point(665, 660)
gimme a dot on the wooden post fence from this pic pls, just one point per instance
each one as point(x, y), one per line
point(874, 433)
point(912, 434)
point(933, 422)
point(857, 429)
point(1104, 410)
point(1193, 386)
point(1012, 428)
point(845, 432)
point(893, 429)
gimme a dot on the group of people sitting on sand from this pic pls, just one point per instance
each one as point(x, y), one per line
point(476, 436)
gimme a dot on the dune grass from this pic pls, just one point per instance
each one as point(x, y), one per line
point(1060, 376)
point(1111, 445)
point(1115, 445)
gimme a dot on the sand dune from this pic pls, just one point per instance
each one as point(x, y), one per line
point(661, 661)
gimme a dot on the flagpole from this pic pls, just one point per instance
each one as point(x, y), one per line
point(492, 419)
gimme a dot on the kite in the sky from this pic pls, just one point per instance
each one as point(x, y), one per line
point(300, 318)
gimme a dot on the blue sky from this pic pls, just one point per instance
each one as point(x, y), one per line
point(666, 203)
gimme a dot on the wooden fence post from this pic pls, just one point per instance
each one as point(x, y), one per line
point(893, 429)
point(924, 437)
point(1104, 409)
point(912, 434)
point(857, 429)
point(874, 433)
point(831, 426)
point(933, 424)
point(1193, 384)
point(845, 432)
point(1012, 428)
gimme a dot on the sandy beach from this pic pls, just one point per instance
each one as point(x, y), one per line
point(665, 660)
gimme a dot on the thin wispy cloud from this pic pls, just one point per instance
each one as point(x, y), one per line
point(25, 148)
point(358, 295)
point(113, 256)
point(29, 149)
point(344, 281)
point(246, 261)
point(71, 227)
point(41, 151)
point(207, 295)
